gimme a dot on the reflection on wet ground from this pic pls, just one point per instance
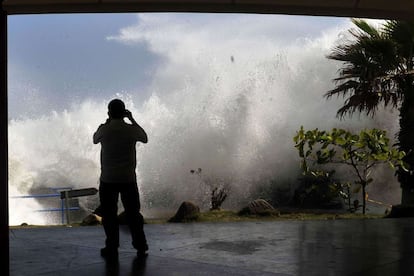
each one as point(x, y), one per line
point(333, 247)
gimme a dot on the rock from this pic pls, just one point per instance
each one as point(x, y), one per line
point(259, 207)
point(401, 211)
point(187, 211)
point(91, 219)
point(98, 211)
point(122, 219)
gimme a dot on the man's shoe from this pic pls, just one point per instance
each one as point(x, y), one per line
point(109, 253)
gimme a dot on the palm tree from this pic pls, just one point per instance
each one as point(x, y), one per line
point(378, 70)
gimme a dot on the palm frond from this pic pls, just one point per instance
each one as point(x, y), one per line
point(372, 69)
point(364, 28)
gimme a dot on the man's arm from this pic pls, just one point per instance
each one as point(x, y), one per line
point(142, 135)
point(97, 136)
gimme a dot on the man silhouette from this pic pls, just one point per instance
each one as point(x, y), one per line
point(118, 162)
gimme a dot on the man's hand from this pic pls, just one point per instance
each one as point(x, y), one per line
point(142, 136)
point(128, 114)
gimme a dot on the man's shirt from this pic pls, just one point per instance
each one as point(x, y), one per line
point(118, 153)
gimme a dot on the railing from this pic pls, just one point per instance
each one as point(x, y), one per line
point(57, 192)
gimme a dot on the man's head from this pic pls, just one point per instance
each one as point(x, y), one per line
point(116, 109)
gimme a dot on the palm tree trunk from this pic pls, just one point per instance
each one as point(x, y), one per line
point(406, 142)
point(364, 198)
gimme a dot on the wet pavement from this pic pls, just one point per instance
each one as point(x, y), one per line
point(331, 247)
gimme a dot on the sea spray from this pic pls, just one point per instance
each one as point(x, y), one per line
point(228, 103)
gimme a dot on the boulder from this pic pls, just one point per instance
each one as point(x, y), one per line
point(187, 211)
point(91, 219)
point(258, 207)
point(401, 211)
point(98, 211)
point(122, 219)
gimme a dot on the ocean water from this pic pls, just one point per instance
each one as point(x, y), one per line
point(228, 103)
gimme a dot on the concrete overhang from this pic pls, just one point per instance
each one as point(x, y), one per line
point(381, 9)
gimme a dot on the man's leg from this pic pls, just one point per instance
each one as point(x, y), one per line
point(108, 196)
point(130, 200)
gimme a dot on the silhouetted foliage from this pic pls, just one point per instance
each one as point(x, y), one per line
point(360, 152)
point(378, 70)
point(218, 189)
point(320, 190)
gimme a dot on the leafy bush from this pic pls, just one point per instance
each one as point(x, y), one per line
point(319, 190)
point(361, 152)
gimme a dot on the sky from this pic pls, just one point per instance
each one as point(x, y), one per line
point(58, 60)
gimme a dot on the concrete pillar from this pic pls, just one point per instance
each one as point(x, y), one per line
point(4, 194)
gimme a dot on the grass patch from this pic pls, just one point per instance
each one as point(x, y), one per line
point(232, 216)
